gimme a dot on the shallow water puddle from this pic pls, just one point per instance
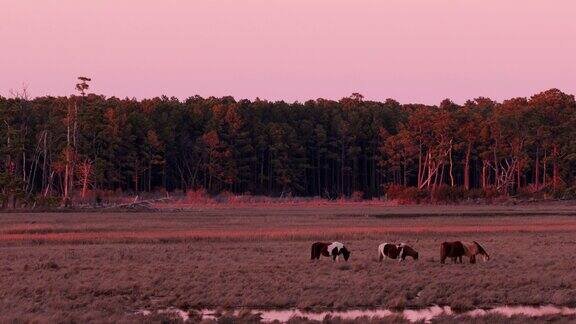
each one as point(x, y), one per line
point(529, 311)
point(412, 315)
point(285, 315)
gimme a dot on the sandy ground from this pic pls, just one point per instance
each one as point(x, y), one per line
point(106, 266)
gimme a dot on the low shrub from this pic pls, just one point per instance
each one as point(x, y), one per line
point(225, 197)
point(405, 194)
point(568, 193)
point(198, 196)
point(440, 194)
point(447, 194)
point(49, 201)
point(482, 193)
point(530, 192)
point(357, 196)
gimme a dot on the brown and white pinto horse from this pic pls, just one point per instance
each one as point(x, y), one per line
point(334, 250)
point(396, 251)
point(455, 250)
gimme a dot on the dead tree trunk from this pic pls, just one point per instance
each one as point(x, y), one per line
point(544, 171)
point(555, 168)
point(420, 171)
point(451, 167)
point(67, 167)
point(537, 170)
point(467, 167)
point(85, 171)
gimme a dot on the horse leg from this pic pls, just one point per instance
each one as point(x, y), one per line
point(460, 259)
point(473, 259)
point(380, 257)
point(442, 253)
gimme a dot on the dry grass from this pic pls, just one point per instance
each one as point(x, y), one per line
point(349, 221)
point(104, 267)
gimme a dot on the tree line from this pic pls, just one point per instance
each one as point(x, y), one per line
point(60, 148)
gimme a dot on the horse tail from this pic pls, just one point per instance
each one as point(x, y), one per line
point(467, 248)
point(443, 248)
point(312, 252)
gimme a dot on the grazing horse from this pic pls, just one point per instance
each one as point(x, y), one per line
point(455, 250)
point(334, 249)
point(396, 251)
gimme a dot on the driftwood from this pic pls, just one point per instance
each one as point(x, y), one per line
point(140, 205)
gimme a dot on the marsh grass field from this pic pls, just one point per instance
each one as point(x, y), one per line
point(109, 266)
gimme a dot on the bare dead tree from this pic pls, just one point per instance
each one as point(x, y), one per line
point(68, 159)
point(22, 94)
point(85, 176)
point(71, 141)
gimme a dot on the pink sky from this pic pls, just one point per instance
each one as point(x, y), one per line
point(412, 51)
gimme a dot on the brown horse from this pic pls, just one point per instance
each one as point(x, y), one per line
point(396, 251)
point(455, 250)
